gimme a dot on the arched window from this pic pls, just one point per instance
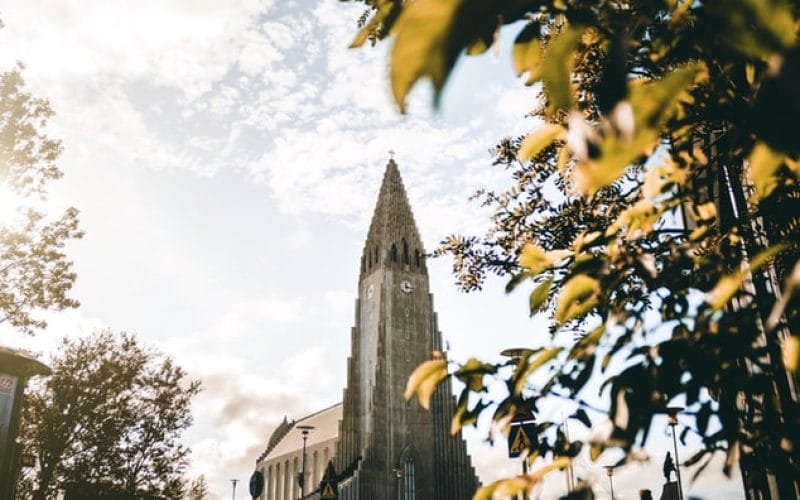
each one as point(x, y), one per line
point(393, 254)
point(377, 259)
point(417, 259)
point(363, 264)
point(409, 480)
point(405, 252)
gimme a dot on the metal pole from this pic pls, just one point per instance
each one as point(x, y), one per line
point(305, 429)
point(233, 482)
point(610, 472)
point(672, 420)
point(677, 461)
point(525, 473)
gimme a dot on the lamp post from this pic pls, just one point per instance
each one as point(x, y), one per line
point(233, 484)
point(672, 420)
point(610, 472)
point(301, 479)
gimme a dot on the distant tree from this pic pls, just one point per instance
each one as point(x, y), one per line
point(198, 490)
point(111, 414)
point(651, 208)
point(35, 274)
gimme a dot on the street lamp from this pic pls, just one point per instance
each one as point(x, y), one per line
point(301, 479)
point(610, 471)
point(672, 420)
point(233, 482)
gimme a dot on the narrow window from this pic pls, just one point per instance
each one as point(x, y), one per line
point(394, 253)
point(405, 252)
point(409, 486)
point(417, 260)
point(377, 259)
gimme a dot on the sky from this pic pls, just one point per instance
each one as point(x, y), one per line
point(226, 156)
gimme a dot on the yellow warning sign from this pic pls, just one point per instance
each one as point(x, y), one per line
point(518, 441)
point(327, 492)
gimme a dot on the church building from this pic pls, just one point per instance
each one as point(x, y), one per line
point(381, 446)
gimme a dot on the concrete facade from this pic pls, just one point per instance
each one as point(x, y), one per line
point(386, 447)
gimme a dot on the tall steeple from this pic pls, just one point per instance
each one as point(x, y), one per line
point(389, 447)
point(393, 238)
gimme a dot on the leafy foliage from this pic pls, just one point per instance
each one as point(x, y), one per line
point(198, 489)
point(35, 273)
point(111, 415)
point(656, 208)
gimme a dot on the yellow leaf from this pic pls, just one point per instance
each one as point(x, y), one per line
point(539, 295)
point(384, 10)
point(563, 158)
point(512, 487)
point(424, 379)
point(764, 163)
point(536, 141)
point(587, 345)
point(578, 296)
point(724, 290)
point(791, 353)
point(528, 365)
point(750, 73)
point(526, 55)
point(422, 48)
point(728, 285)
point(556, 70)
point(535, 259)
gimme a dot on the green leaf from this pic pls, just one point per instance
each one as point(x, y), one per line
point(578, 296)
point(527, 365)
point(653, 103)
point(471, 373)
point(539, 295)
point(556, 70)
point(536, 141)
point(587, 345)
point(423, 47)
point(424, 379)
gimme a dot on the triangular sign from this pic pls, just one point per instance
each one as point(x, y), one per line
point(328, 491)
point(518, 441)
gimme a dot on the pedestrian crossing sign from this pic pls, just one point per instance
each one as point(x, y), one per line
point(327, 492)
point(520, 437)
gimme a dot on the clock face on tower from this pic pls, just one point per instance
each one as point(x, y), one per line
point(406, 286)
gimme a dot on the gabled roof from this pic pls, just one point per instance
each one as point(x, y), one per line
point(282, 440)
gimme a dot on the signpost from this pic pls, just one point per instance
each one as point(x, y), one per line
point(256, 484)
point(329, 487)
point(521, 434)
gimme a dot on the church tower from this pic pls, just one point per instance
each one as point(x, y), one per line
point(389, 448)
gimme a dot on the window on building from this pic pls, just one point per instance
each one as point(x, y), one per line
point(409, 480)
point(393, 255)
point(405, 252)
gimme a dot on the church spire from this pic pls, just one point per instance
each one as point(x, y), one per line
point(393, 238)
